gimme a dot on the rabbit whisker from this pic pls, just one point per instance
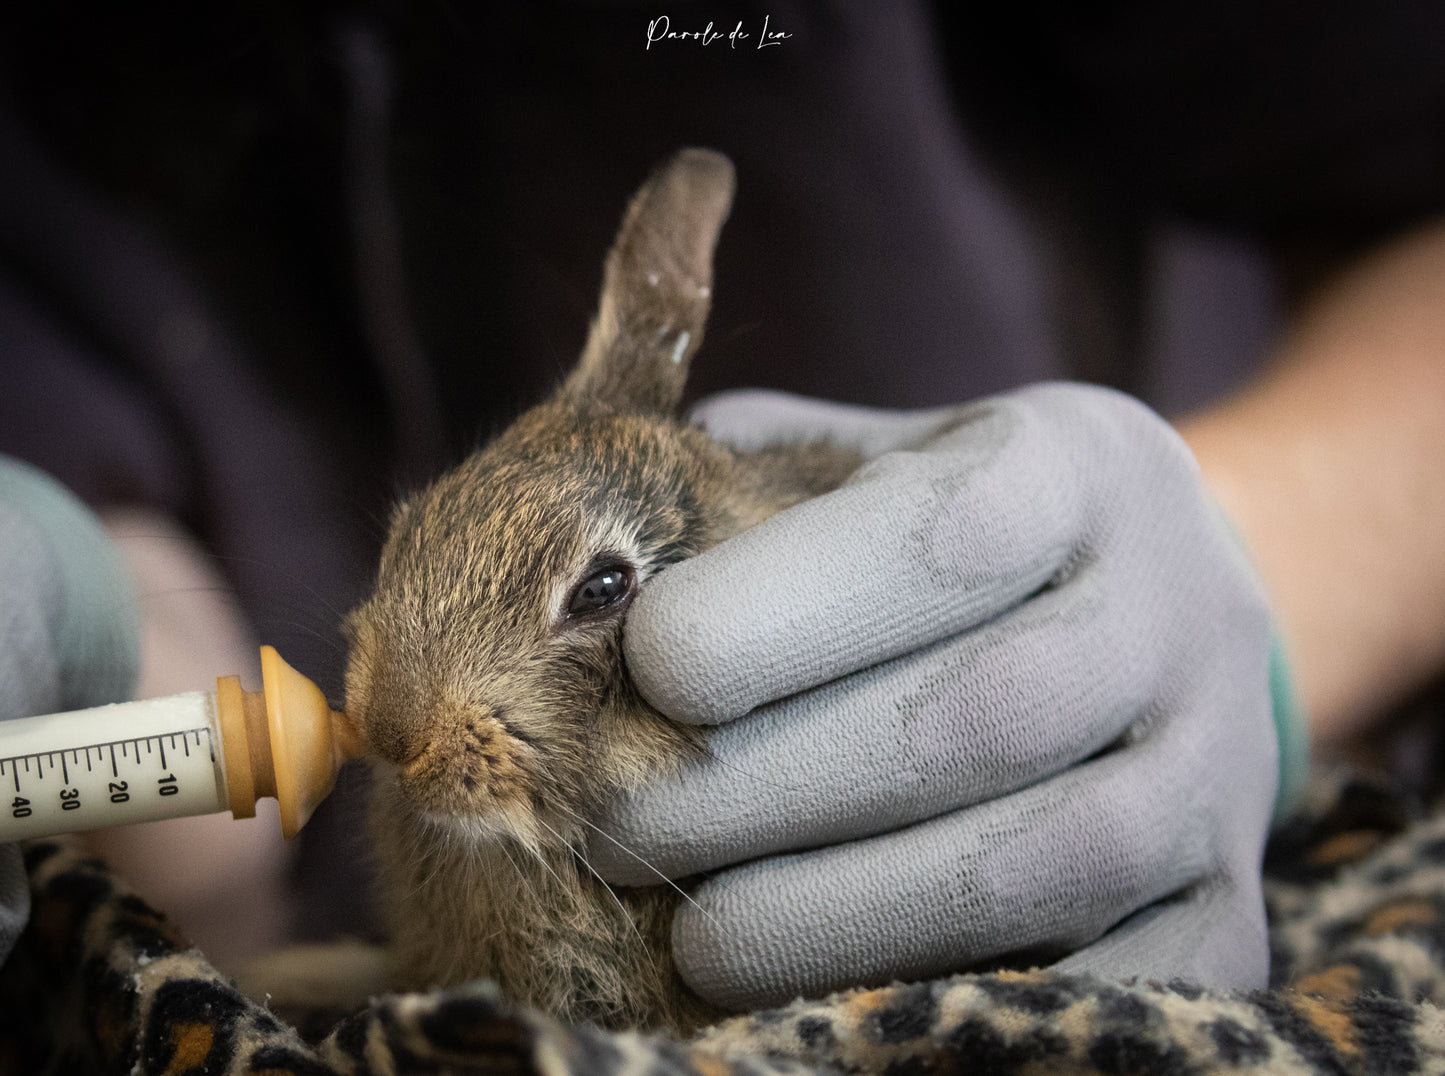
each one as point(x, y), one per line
point(541, 859)
point(325, 637)
point(622, 907)
point(720, 761)
point(425, 883)
point(521, 874)
point(291, 577)
point(680, 891)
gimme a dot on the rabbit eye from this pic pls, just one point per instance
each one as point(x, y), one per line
point(603, 588)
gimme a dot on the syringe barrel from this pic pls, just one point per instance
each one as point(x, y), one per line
point(129, 762)
point(163, 758)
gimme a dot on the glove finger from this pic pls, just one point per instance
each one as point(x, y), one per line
point(968, 719)
point(917, 546)
point(1213, 934)
point(1050, 868)
point(752, 418)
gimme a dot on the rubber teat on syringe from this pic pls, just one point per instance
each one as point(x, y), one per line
point(282, 741)
point(188, 754)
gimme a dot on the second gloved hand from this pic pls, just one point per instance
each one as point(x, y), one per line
point(1006, 694)
point(69, 628)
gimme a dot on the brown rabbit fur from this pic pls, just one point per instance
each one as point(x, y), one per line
point(494, 696)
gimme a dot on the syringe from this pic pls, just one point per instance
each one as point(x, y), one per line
point(197, 753)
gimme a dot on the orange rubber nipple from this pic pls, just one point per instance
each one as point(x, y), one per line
point(282, 741)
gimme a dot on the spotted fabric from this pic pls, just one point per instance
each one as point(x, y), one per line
point(102, 983)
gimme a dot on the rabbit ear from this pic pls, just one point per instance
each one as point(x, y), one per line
point(656, 288)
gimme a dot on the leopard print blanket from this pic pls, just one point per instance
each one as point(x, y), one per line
point(102, 983)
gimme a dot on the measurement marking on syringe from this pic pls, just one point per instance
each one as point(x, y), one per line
point(153, 745)
point(86, 796)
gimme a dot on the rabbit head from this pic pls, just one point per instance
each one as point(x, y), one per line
point(486, 670)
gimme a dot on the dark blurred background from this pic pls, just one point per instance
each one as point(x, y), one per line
point(263, 265)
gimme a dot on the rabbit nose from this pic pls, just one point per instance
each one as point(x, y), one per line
point(399, 744)
point(411, 766)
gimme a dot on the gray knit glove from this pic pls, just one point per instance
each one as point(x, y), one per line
point(1007, 694)
point(69, 627)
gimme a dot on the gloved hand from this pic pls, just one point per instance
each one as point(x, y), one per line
point(69, 627)
point(1008, 693)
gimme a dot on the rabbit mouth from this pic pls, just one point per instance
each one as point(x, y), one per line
point(502, 825)
point(478, 814)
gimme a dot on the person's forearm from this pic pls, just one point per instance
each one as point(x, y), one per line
point(1332, 465)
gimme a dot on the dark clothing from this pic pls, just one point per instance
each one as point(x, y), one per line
point(262, 266)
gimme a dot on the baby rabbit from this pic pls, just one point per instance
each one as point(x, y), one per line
point(486, 671)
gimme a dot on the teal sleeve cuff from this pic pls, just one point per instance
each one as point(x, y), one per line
point(1290, 726)
point(1292, 733)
